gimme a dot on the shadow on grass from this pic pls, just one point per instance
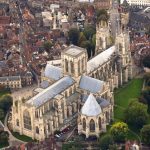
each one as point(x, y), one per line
point(22, 137)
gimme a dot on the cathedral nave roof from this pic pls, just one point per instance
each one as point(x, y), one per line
point(100, 59)
point(51, 91)
point(53, 72)
point(90, 84)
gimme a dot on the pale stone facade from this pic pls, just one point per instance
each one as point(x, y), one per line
point(65, 91)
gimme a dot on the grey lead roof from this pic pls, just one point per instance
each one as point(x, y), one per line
point(100, 59)
point(90, 84)
point(91, 107)
point(10, 78)
point(53, 72)
point(74, 50)
point(51, 91)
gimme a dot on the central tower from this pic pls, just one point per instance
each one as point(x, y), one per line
point(74, 61)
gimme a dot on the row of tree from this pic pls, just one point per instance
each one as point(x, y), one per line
point(85, 39)
point(5, 104)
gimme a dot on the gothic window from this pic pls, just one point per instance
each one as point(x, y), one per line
point(100, 41)
point(79, 67)
point(27, 120)
point(83, 63)
point(70, 91)
point(68, 114)
point(48, 128)
point(72, 67)
point(107, 116)
point(65, 93)
point(73, 108)
point(66, 65)
point(37, 130)
point(84, 124)
point(17, 122)
point(120, 47)
point(100, 123)
point(92, 125)
point(74, 89)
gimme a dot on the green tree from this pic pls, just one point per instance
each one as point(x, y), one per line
point(47, 46)
point(105, 141)
point(94, 39)
point(5, 102)
point(146, 62)
point(102, 15)
point(145, 134)
point(88, 45)
point(119, 131)
point(74, 36)
point(82, 38)
point(4, 136)
point(136, 114)
point(89, 31)
point(1, 114)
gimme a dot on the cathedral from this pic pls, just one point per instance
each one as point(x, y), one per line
point(80, 91)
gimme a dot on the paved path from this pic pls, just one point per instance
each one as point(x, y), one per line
point(12, 140)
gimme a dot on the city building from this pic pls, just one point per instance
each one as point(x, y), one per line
point(138, 2)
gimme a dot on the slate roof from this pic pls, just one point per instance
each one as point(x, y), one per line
point(100, 59)
point(74, 50)
point(91, 107)
point(51, 91)
point(44, 84)
point(101, 101)
point(90, 84)
point(53, 72)
point(10, 78)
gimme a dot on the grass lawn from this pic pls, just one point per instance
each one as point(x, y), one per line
point(125, 95)
point(22, 137)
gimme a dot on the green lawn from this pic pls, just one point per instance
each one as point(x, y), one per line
point(22, 137)
point(125, 95)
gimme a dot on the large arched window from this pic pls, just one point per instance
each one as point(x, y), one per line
point(84, 124)
point(79, 67)
point(70, 91)
point(100, 123)
point(72, 67)
point(17, 122)
point(66, 65)
point(68, 113)
point(107, 116)
point(100, 41)
point(83, 64)
point(92, 125)
point(120, 47)
point(27, 120)
point(37, 130)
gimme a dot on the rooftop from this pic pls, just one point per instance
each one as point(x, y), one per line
point(51, 91)
point(74, 50)
point(100, 59)
point(91, 107)
point(90, 84)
